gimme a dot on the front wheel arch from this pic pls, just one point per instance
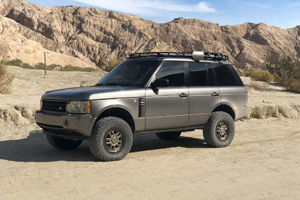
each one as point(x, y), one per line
point(120, 113)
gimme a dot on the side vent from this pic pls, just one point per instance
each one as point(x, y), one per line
point(142, 107)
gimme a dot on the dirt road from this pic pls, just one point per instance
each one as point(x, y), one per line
point(263, 162)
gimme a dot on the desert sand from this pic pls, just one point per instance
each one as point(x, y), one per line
point(263, 161)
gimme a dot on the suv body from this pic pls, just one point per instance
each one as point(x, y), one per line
point(164, 93)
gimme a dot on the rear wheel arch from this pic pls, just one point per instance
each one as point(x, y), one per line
point(225, 108)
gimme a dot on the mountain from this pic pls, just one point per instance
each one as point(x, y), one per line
point(90, 37)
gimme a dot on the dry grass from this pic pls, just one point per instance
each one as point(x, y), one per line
point(5, 79)
point(255, 85)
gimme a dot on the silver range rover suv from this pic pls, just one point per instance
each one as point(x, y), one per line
point(164, 93)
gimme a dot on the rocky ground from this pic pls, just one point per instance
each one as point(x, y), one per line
point(261, 163)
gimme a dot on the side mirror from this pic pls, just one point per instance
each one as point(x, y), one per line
point(163, 82)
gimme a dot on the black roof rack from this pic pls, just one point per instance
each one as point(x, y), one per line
point(206, 55)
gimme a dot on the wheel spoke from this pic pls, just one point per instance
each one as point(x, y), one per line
point(114, 141)
point(222, 131)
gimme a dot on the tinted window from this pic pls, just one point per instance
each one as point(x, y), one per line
point(211, 77)
point(225, 76)
point(198, 74)
point(173, 71)
point(132, 72)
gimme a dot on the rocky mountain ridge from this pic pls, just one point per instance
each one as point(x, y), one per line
point(90, 37)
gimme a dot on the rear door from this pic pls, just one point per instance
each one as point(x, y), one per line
point(204, 94)
point(167, 107)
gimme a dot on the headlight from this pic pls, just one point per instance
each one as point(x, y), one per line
point(79, 107)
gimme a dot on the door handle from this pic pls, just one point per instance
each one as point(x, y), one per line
point(215, 94)
point(183, 95)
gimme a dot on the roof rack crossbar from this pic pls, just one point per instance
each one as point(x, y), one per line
point(207, 55)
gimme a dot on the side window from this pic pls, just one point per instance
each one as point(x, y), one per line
point(225, 76)
point(174, 71)
point(198, 74)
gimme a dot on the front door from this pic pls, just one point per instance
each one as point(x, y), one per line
point(167, 107)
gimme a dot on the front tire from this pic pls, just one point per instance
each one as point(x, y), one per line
point(111, 139)
point(168, 135)
point(219, 130)
point(63, 144)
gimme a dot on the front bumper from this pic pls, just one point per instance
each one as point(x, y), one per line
point(74, 126)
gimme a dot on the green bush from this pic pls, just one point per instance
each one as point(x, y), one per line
point(5, 79)
point(15, 62)
point(285, 69)
point(18, 62)
point(262, 75)
point(76, 68)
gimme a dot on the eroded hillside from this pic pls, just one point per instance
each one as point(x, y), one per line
point(88, 36)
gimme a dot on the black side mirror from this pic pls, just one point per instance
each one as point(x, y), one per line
point(163, 82)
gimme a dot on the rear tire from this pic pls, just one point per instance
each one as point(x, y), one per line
point(111, 139)
point(168, 135)
point(63, 144)
point(219, 130)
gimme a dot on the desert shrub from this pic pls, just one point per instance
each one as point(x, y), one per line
point(76, 68)
point(5, 79)
point(27, 66)
point(262, 75)
point(19, 63)
point(247, 73)
point(112, 64)
point(255, 86)
point(40, 66)
point(285, 69)
point(15, 62)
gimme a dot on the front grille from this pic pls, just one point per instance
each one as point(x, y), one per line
point(54, 106)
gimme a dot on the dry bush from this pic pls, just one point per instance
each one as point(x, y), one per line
point(112, 64)
point(247, 73)
point(262, 75)
point(5, 79)
point(255, 86)
point(295, 85)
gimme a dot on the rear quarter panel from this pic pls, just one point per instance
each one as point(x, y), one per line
point(236, 97)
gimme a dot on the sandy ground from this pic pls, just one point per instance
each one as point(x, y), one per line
point(263, 162)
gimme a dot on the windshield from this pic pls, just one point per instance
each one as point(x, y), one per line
point(133, 73)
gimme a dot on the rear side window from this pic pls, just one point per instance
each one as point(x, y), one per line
point(225, 75)
point(173, 71)
point(198, 74)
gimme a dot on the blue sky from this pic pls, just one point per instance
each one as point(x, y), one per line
point(284, 14)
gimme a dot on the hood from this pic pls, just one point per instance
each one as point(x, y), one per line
point(94, 92)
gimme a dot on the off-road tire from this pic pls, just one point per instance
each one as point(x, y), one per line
point(219, 130)
point(168, 135)
point(63, 144)
point(111, 139)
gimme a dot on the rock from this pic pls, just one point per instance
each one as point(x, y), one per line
point(88, 36)
point(27, 113)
